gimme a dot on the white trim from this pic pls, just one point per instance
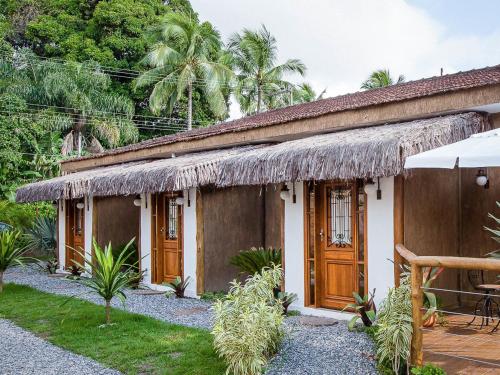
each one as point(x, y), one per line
point(61, 241)
point(145, 235)
point(189, 241)
point(87, 241)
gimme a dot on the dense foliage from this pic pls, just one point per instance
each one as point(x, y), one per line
point(11, 252)
point(256, 259)
point(248, 323)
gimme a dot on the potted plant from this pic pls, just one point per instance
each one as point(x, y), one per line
point(430, 274)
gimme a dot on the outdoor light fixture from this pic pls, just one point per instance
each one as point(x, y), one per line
point(379, 192)
point(285, 193)
point(137, 201)
point(482, 179)
point(179, 201)
point(294, 197)
point(80, 205)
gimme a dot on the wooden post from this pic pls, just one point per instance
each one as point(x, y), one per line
point(399, 224)
point(200, 245)
point(416, 354)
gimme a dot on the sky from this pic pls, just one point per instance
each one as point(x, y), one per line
point(342, 42)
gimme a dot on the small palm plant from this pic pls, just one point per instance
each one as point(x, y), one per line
point(365, 309)
point(108, 279)
point(179, 286)
point(256, 259)
point(10, 253)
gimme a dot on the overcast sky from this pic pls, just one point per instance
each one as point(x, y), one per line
point(341, 42)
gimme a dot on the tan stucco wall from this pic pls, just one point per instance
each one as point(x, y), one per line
point(234, 220)
point(118, 220)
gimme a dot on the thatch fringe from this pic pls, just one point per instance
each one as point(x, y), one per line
point(376, 151)
point(172, 174)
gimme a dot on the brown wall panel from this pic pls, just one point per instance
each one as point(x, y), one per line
point(234, 220)
point(118, 220)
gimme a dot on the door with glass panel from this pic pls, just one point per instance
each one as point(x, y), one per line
point(75, 228)
point(167, 245)
point(341, 265)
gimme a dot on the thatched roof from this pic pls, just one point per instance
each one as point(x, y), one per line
point(171, 174)
point(359, 153)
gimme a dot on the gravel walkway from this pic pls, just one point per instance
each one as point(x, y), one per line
point(307, 350)
point(23, 353)
point(185, 311)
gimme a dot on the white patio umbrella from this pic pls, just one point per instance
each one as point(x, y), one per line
point(478, 151)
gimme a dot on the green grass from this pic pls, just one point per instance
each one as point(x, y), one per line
point(135, 344)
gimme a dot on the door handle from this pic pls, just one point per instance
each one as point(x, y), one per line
point(321, 234)
point(162, 229)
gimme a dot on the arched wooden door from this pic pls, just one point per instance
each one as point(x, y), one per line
point(75, 232)
point(167, 259)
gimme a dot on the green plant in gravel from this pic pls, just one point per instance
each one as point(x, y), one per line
point(108, 279)
point(248, 323)
point(428, 369)
point(10, 252)
point(213, 296)
point(178, 286)
point(393, 336)
point(257, 258)
point(365, 310)
point(49, 266)
point(286, 300)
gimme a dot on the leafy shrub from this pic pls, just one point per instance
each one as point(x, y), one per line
point(10, 252)
point(213, 296)
point(365, 309)
point(49, 266)
point(75, 271)
point(254, 260)
point(135, 278)
point(428, 369)
point(395, 330)
point(248, 323)
point(22, 216)
point(42, 236)
point(496, 234)
point(179, 286)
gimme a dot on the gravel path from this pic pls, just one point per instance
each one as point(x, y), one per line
point(185, 311)
point(307, 350)
point(322, 350)
point(23, 353)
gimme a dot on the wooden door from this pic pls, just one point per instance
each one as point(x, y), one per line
point(75, 232)
point(338, 244)
point(167, 252)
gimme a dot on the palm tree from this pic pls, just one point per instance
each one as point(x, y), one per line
point(10, 252)
point(258, 77)
point(108, 277)
point(186, 53)
point(381, 78)
point(89, 112)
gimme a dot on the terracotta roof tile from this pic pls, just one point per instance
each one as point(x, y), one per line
point(404, 91)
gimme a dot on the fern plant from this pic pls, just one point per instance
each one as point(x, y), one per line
point(256, 259)
point(248, 323)
point(10, 252)
point(395, 326)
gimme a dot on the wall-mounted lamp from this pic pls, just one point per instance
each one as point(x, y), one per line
point(294, 196)
point(80, 205)
point(179, 201)
point(379, 192)
point(137, 201)
point(482, 178)
point(285, 193)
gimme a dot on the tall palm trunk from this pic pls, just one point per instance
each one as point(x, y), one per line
point(1, 281)
point(259, 98)
point(190, 107)
point(108, 312)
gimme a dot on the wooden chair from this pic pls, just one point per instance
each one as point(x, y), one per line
point(486, 305)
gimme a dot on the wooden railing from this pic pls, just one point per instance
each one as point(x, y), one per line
point(416, 264)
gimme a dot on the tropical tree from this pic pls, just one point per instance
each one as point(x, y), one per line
point(10, 252)
point(186, 53)
point(381, 78)
point(88, 112)
point(108, 276)
point(294, 94)
point(255, 54)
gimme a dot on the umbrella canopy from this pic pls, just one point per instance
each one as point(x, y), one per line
point(479, 150)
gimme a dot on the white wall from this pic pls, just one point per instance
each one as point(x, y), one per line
point(189, 241)
point(380, 241)
point(61, 242)
point(380, 226)
point(145, 236)
point(89, 207)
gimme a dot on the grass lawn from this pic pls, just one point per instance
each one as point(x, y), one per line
point(135, 344)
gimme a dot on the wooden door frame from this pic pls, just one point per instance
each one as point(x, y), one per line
point(157, 221)
point(317, 189)
point(69, 216)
